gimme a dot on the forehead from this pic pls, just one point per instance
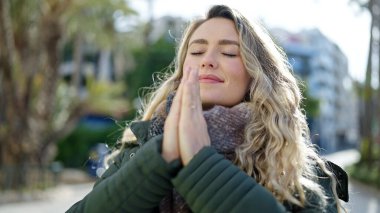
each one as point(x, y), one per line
point(216, 28)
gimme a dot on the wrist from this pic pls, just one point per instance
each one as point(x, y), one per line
point(169, 157)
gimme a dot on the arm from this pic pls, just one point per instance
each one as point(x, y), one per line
point(210, 183)
point(131, 185)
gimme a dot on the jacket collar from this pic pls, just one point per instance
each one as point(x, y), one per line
point(140, 130)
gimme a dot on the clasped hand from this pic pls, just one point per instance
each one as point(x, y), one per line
point(185, 131)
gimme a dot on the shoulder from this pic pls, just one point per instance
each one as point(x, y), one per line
point(133, 138)
point(341, 178)
point(325, 181)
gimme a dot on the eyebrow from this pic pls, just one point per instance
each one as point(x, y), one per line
point(221, 42)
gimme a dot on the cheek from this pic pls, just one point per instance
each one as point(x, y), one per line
point(239, 73)
point(189, 63)
point(241, 78)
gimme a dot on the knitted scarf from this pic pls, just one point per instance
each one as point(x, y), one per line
point(226, 130)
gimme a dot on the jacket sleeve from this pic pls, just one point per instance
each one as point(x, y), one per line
point(210, 183)
point(131, 185)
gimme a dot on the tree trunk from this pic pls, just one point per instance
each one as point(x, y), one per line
point(78, 61)
point(12, 131)
point(51, 34)
point(30, 35)
point(377, 105)
point(367, 96)
point(18, 141)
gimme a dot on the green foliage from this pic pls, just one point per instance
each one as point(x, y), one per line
point(365, 174)
point(364, 149)
point(367, 170)
point(309, 104)
point(73, 150)
point(104, 98)
point(154, 58)
point(95, 20)
point(369, 155)
point(102, 94)
point(90, 55)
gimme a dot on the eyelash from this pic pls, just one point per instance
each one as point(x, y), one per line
point(225, 54)
point(229, 55)
point(196, 53)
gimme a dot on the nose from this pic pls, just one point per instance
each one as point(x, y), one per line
point(209, 61)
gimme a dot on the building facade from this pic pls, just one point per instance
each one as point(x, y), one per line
point(323, 67)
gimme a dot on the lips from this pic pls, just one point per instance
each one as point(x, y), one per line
point(209, 78)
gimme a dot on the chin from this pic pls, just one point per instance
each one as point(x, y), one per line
point(208, 103)
point(207, 106)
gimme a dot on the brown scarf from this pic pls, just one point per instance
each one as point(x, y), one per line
point(226, 129)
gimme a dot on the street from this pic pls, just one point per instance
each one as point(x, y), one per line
point(363, 199)
point(56, 200)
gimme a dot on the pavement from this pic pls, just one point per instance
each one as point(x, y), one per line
point(56, 200)
point(363, 198)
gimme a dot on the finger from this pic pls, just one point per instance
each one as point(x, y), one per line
point(195, 89)
point(193, 132)
point(191, 97)
point(186, 74)
point(177, 100)
point(171, 134)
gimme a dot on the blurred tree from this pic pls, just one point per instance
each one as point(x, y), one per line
point(149, 60)
point(309, 104)
point(368, 118)
point(369, 163)
point(37, 108)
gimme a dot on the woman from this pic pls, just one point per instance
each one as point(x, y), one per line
point(223, 133)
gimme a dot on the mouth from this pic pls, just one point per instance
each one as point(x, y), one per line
point(210, 79)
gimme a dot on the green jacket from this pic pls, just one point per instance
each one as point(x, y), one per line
point(139, 178)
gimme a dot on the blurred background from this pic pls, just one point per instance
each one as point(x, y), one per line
point(71, 73)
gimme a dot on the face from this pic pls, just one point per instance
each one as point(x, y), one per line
point(214, 50)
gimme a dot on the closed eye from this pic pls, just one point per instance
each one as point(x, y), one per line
point(229, 55)
point(196, 53)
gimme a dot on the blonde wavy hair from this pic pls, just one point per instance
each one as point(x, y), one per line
point(277, 151)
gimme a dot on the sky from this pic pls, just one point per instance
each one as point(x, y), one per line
point(341, 22)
